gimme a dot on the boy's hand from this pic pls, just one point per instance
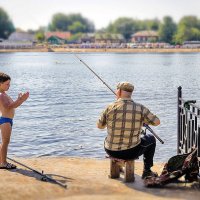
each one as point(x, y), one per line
point(23, 96)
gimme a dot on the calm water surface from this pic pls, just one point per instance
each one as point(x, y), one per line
point(59, 119)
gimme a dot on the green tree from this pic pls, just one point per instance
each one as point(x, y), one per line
point(40, 33)
point(71, 22)
point(149, 24)
point(6, 25)
point(195, 34)
point(40, 36)
point(75, 37)
point(77, 27)
point(188, 29)
point(125, 26)
point(128, 26)
point(167, 30)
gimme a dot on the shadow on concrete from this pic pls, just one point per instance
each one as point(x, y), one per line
point(172, 190)
point(53, 178)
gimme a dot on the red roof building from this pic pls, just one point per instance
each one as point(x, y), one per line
point(62, 35)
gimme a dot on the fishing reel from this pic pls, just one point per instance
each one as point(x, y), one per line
point(43, 178)
point(143, 130)
point(154, 134)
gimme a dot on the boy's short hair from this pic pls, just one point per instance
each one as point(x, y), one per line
point(4, 77)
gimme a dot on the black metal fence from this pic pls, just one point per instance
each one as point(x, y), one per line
point(188, 130)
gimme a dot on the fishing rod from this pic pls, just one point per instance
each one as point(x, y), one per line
point(95, 74)
point(44, 176)
point(156, 136)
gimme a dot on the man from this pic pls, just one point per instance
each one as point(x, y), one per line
point(124, 120)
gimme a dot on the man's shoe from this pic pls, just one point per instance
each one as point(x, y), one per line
point(148, 173)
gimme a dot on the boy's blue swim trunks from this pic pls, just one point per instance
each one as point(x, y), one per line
point(6, 120)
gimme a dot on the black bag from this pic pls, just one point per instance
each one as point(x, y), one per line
point(176, 167)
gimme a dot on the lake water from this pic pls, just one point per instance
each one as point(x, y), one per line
point(66, 99)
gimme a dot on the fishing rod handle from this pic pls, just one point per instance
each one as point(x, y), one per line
point(156, 136)
point(161, 141)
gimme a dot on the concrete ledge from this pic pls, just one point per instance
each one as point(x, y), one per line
point(86, 179)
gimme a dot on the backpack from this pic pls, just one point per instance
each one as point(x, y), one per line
point(176, 167)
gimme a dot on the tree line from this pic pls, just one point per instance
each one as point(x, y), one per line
point(187, 29)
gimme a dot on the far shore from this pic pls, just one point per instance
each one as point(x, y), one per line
point(103, 50)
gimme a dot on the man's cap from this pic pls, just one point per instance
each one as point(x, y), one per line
point(125, 86)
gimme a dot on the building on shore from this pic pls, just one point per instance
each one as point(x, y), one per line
point(191, 44)
point(22, 37)
point(19, 40)
point(87, 38)
point(54, 40)
point(108, 38)
point(145, 36)
point(57, 38)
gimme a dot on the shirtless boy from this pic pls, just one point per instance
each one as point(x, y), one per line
point(7, 109)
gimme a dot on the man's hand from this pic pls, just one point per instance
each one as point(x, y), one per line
point(100, 126)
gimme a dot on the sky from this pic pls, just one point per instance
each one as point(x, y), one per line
point(31, 14)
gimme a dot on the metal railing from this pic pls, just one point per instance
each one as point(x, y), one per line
point(188, 126)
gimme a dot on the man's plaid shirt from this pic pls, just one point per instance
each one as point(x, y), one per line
point(124, 119)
